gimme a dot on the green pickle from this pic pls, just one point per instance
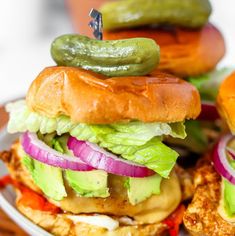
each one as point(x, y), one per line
point(134, 13)
point(130, 57)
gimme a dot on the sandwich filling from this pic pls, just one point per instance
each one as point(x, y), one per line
point(147, 199)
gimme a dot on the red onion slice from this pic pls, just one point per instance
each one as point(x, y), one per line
point(231, 152)
point(209, 111)
point(39, 151)
point(220, 159)
point(98, 158)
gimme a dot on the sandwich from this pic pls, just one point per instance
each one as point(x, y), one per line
point(212, 209)
point(91, 158)
point(181, 29)
point(191, 47)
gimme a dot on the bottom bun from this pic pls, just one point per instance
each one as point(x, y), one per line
point(61, 225)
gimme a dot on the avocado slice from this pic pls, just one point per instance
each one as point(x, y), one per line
point(28, 163)
point(88, 183)
point(49, 179)
point(229, 200)
point(84, 183)
point(139, 189)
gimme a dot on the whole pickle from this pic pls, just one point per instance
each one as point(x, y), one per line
point(137, 56)
point(134, 13)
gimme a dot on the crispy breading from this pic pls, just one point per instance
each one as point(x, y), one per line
point(186, 182)
point(201, 217)
point(17, 170)
point(59, 224)
point(154, 209)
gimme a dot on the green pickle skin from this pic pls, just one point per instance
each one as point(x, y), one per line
point(130, 57)
point(134, 13)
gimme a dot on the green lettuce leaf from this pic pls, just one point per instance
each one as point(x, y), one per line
point(136, 141)
point(196, 140)
point(135, 132)
point(208, 84)
point(156, 156)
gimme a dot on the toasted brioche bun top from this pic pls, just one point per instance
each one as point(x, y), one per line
point(184, 52)
point(88, 97)
point(226, 101)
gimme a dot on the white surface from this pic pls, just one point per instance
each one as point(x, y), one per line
point(24, 51)
point(27, 28)
point(7, 195)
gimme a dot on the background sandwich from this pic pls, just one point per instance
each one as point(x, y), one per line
point(212, 209)
point(191, 47)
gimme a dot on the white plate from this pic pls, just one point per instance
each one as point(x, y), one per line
point(7, 195)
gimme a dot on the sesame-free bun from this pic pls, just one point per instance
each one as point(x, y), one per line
point(184, 52)
point(88, 97)
point(226, 101)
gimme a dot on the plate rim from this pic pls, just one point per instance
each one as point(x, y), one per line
point(27, 225)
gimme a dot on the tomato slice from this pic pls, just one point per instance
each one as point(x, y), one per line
point(5, 180)
point(175, 220)
point(29, 198)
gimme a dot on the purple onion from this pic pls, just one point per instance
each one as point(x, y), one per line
point(209, 111)
point(39, 151)
point(100, 159)
point(220, 159)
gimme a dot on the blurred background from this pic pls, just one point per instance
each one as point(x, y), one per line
point(27, 28)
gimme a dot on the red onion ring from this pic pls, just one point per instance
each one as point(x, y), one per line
point(220, 160)
point(39, 151)
point(209, 111)
point(231, 152)
point(98, 158)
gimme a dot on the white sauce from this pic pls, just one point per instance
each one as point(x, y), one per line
point(102, 221)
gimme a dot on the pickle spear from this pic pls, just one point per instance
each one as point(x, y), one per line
point(129, 57)
point(134, 13)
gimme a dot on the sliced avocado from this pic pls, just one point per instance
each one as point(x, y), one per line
point(139, 189)
point(49, 179)
point(84, 183)
point(88, 183)
point(28, 163)
point(229, 199)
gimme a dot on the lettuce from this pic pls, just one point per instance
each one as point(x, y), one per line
point(208, 84)
point(135, 141)
point(154, 154)
point(135, 132)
